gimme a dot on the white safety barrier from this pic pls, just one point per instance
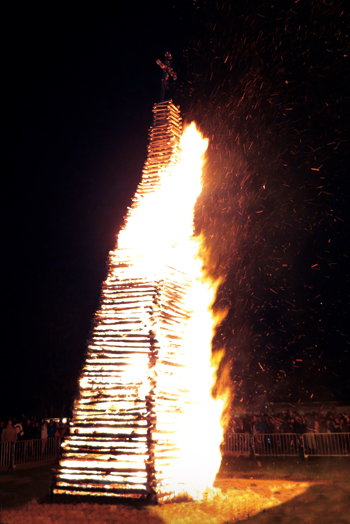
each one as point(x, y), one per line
point(276, 444)
point(237, 444)
point(5, 453)
point(26, 451)
point(326, 444)
point(287, 444)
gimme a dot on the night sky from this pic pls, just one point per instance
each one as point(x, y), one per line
point(269, 85)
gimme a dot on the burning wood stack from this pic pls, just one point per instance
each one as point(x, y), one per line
point(124, 437)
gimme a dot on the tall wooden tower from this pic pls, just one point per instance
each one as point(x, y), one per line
point(123, 437)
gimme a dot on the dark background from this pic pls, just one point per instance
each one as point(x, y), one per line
point(270, 88)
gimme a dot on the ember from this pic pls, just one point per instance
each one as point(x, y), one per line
point(138, 425)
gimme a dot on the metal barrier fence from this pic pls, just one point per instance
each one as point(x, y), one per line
point(326, 444)
point(287, 444)
point(27, 451)
point(280, 444)
point(237, 444)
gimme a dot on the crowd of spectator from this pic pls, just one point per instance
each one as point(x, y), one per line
point(29, 428)
point(291, 422)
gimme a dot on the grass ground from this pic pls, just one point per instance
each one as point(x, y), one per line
point(325, 501)
point(265, 491)
point(294, 468)
point(19, 487)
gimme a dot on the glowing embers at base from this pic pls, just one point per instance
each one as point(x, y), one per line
point(145, 422)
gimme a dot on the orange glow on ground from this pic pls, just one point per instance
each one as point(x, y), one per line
point(234, 499)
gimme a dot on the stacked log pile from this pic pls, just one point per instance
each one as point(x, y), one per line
point(123, 437)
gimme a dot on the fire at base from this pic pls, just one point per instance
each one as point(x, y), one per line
point(145, 422)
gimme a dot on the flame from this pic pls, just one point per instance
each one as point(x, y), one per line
point(196, 420)
point(145, 420)
point(160, 232)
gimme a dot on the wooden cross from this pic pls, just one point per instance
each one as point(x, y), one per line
point(167, 72)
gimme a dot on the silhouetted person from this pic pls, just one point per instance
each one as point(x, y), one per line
point(9, 434)
point(28, 429)
point(51, 429)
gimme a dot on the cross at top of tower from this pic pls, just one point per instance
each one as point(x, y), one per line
point(167, 72)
